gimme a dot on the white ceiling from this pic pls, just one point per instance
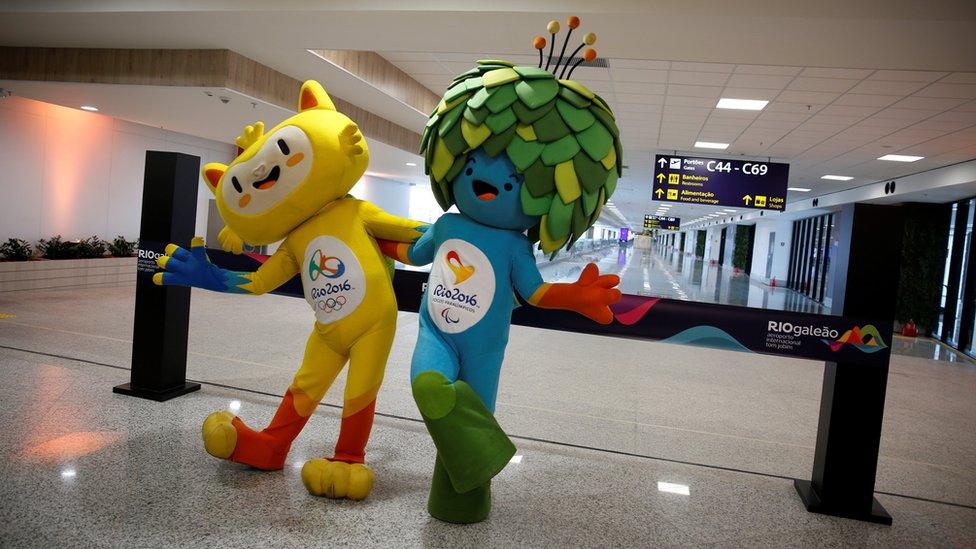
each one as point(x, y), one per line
point(879, 76)
point(820, 120)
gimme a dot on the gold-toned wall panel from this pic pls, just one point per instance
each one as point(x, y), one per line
point(185, 68)
point(378, 72)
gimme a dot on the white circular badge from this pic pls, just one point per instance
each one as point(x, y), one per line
point(332, 278)
point(461, 286)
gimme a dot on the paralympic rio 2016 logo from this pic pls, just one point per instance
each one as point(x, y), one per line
point(324, 265)
point(461, 271)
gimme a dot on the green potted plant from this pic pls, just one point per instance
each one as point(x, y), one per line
point(91, 247)
point(120, 247)
point(57, 248)
point(16, 249)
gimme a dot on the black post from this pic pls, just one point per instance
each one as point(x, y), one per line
point(162, 315)
point(852, 404)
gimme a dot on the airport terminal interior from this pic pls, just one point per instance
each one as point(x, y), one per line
point(557, 274)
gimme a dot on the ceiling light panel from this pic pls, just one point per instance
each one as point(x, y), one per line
point(741, 104)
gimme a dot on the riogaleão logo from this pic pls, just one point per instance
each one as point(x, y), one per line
point(324, 265)
point(866, 339)
point(461, 271)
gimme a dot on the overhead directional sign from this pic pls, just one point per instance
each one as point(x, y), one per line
point(659, 222)
point(720, 182)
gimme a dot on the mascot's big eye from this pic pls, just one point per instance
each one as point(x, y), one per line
point(237, 184)
point(283, 146)
point(508, 186)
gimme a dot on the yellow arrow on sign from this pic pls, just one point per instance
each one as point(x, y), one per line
point(659, 192)
point(660, 177)
point(747, 199)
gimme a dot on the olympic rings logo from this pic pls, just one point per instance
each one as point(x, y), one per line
point(331, 304)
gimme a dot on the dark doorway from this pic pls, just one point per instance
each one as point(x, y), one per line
point(721, 247)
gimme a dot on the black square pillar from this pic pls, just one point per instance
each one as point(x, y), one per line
point(866, 272)
point(162, 313)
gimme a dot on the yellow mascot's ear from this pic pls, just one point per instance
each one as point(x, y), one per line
point(212, 172)
point(313, 96)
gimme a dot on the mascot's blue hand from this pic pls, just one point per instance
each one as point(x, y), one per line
point(193, 268)
point(421, 229)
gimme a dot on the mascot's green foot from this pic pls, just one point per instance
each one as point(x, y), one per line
point(447, 505)
point(470, 443)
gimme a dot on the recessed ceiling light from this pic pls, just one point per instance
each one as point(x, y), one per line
point(729, 210)
point(837, 177)
point(710, 145)
point(411, 164)
point(798, 189)
point(89, 108)
point(900, 157)
point(741, 104)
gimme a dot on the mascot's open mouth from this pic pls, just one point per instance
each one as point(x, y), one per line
point(484, 190)
point(269, 181)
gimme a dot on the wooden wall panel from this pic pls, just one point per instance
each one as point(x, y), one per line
point(184, 68)
point(376, 71)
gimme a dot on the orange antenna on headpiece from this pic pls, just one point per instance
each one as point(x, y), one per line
point(588, 55)
point(572, 23)
point(539, 43)
point(588, 40)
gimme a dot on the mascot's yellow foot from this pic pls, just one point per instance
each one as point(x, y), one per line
point(337, 479)
point(219, 435)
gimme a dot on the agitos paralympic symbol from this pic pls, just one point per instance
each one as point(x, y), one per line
point(445, 314)
point(325, 265)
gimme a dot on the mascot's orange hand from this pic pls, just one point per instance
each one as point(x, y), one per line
point(591, 295)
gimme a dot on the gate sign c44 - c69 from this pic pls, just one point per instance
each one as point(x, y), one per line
point(660, 222)
point(719, 182)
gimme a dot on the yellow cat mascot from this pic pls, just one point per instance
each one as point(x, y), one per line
point(291, 183)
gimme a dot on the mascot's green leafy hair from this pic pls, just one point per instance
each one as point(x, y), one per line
point(561, 136)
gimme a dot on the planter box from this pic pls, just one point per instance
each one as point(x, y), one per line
point(67, 273)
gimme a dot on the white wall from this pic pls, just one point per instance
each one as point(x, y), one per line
point(70, 172)
point(389, 195)
point(781, 250)
point(713, 236)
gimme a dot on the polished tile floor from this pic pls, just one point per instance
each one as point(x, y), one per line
point(605, 429)
point(667, 273)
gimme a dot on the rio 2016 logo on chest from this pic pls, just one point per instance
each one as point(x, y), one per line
point(333, 279)
point(461, 286)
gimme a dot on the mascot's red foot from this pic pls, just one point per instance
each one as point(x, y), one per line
point(225, 436)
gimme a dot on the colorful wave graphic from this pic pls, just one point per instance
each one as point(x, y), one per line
point(707, 336)
point(632, 308)
point(866, 340)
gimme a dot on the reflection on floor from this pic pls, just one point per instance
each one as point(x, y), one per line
point(928, 348)
point(667, 273)
point(683, 446)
